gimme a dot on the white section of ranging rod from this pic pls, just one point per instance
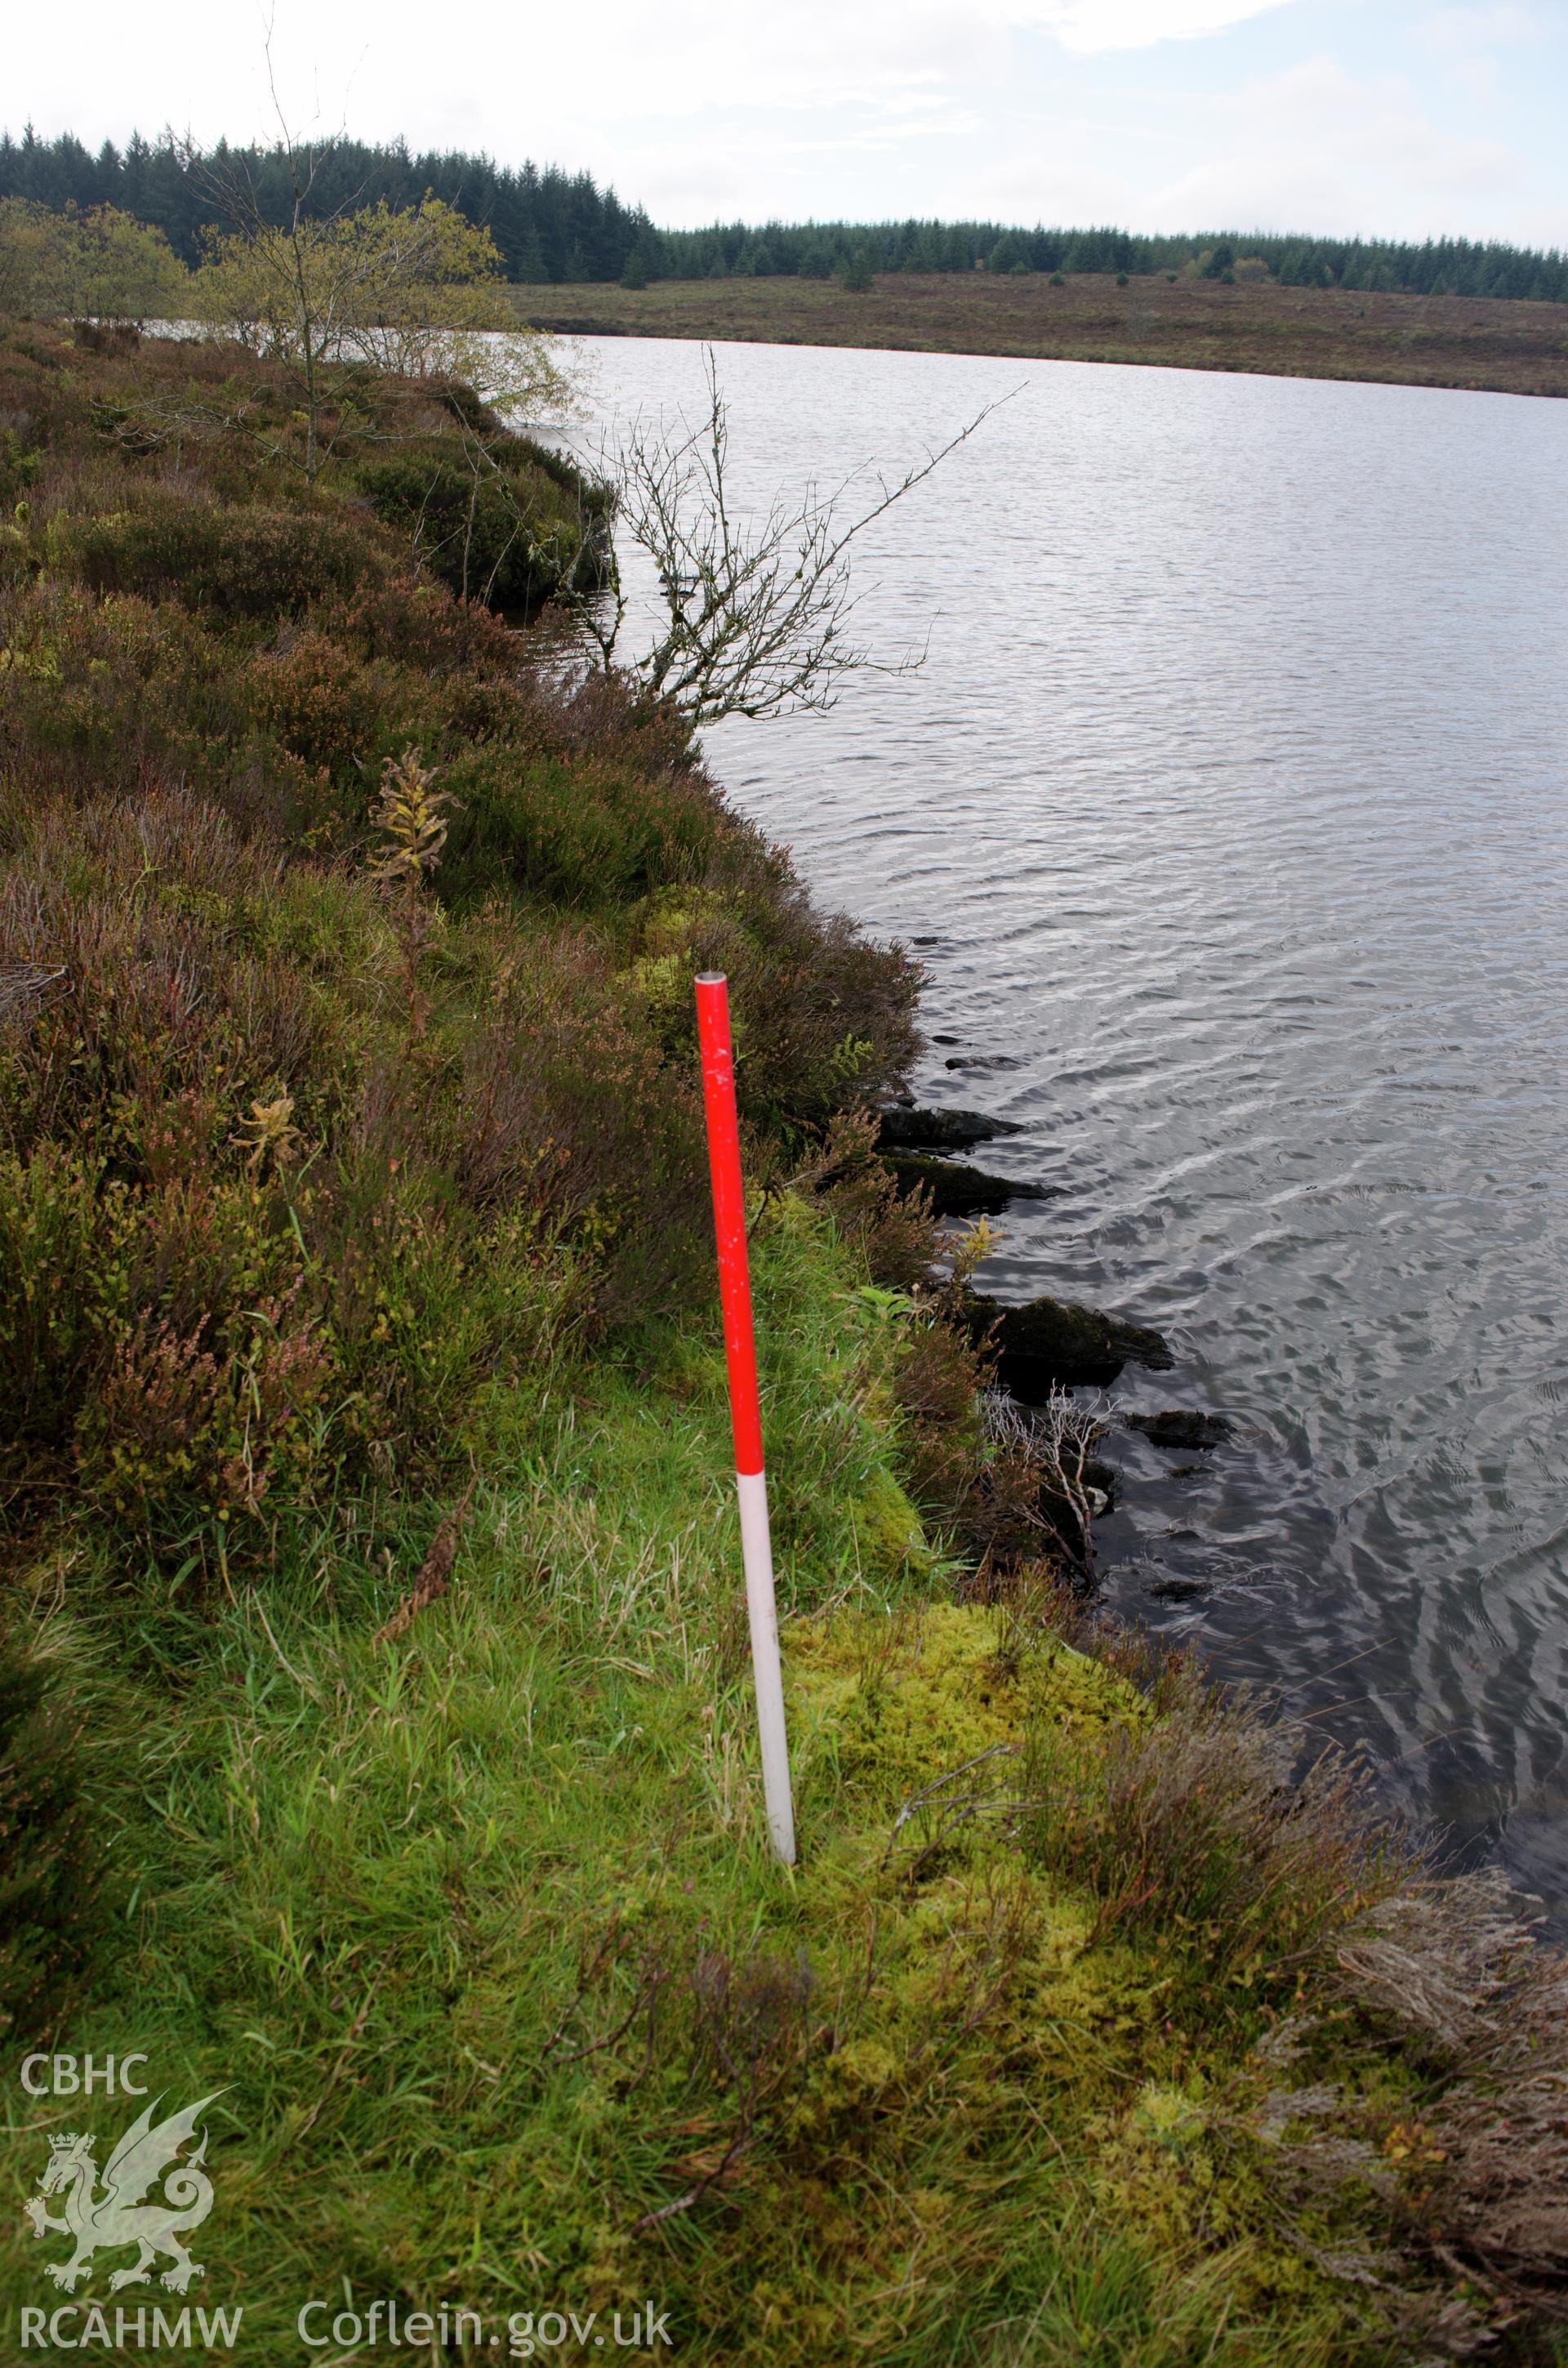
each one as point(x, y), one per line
point(756, 1554)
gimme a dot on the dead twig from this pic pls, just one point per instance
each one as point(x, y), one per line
point(435, 1571)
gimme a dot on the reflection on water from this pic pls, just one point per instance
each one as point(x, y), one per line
point(1229, 812)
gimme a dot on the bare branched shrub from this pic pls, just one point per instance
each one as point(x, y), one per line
point(1057, 1442)
point(757, 608)
point(23, 985)
point(1033, 1496)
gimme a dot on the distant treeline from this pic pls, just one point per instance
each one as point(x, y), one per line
point(553, 226)
point(548, 224)
point(820, 250)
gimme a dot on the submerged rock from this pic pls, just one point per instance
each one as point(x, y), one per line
point(1181, 1427)
point(1055, 1343)
point(910, 1128)
point(956, 1189)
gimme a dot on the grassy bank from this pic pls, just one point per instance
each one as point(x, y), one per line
point(1511, 349)
point(375, 1740)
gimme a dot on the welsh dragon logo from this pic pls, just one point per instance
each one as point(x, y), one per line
point(121, 2213)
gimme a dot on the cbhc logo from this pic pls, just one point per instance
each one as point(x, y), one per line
point(78, 2076)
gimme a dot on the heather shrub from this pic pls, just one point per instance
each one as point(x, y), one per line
point(936, 1387)
point(1201, 1828)
point(584, 832)
point(19, 467)
point(60, 1235)
point(228, 562)
point(487, 519)
point(411, 621)
point(561, 1098)
point(176, 1423)
point(98, 688)
point(896, 1233)
point(168, 1025)
point(318, 701)
point(302, 1163)
point(823, 1020)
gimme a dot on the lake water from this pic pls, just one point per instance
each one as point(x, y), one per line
point(1229, 816)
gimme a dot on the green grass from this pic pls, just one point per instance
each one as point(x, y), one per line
point(481, 1939)
point(479, 1936)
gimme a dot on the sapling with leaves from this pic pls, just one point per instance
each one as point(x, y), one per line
point(411, 818)
point(964, 1251)
point(412, 290)
point(94, 264)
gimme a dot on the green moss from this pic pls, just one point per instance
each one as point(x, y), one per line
point(889, 1537)
point(912, 1697)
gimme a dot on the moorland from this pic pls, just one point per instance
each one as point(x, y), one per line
point(1507, 346)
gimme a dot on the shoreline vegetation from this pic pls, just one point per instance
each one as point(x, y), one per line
point(376, 1740)
point(1494, 345)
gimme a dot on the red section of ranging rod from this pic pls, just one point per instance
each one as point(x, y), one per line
point(729, 1215)
point(740, 1355)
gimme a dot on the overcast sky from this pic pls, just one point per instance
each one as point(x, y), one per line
point(1398, 117)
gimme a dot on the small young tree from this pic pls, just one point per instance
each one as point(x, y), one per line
point(414, 288)
point(100, 265)
point(31, 259)
point(410, 816)
point(533, 271)
point(417, 292)
point(120, 269)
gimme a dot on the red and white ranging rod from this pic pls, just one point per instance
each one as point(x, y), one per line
point(746, 1413)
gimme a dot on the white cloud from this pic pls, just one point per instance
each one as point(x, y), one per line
point(1483, 27)
point(686, 56)
point(1315, 149)
point(1089, 24)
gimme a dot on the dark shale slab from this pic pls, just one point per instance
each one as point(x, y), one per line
point(912, 1129)
point(956, 1189)
point(1055, 1343)
point(1181, 1427)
